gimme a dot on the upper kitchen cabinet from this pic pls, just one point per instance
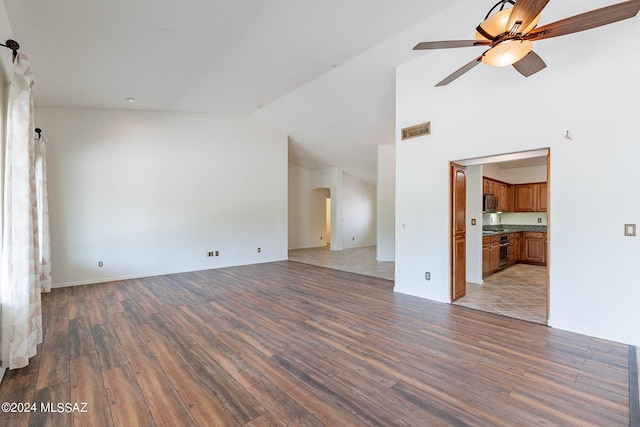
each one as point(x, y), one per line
point(530, 197)
point(503, 196)
point(524, 196)
point(502, 190)
point(541, 197)
point(488, 187)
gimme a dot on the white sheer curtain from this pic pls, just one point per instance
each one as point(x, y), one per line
point(20, 281)
point(44, 250)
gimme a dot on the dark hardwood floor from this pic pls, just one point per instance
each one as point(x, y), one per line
point(292, 344)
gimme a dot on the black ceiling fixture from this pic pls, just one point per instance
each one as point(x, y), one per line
point(509, 33)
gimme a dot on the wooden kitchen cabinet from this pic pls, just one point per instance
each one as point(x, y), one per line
point(517, 197)
point(486, 256)
point(510, 199)
point(534, 248)
point(524, 196)
point(502, 190)
point(490, 255)
point(530, 197)
point(541, 197)
point(488, 186)
point(503, 195)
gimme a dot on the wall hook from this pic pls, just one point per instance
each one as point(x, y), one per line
point(14, 46)
point(568, 136)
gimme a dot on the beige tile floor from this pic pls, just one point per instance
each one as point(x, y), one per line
point(354, 260)
point(518, 291)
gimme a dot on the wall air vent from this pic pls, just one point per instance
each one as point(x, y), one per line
point(416, 131)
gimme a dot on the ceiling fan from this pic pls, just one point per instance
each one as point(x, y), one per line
point(509, 33)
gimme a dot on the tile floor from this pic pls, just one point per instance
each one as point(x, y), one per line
point(354, 260)
point(518, 291)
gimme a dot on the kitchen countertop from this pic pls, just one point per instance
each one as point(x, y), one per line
point(492, 230)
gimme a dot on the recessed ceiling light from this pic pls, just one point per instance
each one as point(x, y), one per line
point(130, 100)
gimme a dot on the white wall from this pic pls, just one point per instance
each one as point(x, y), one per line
point(386, 204)
point(300, 209)
point(332, 178)
point(522, 218)
point(595, 94)
point(151, 193)
point(359, 213)
point(353, 204)
point(525, 175)
point(474, 232)
point(516, 175)
point(307, 210)
point(319, 216)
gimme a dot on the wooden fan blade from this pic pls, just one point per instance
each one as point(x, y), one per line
point(530, 64)
point(524, 12)
point(460, 71)
point(451, 44)
point(587, 20)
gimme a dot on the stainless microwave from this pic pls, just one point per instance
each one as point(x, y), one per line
point(490, 203)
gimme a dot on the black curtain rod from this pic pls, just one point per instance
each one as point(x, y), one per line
point(13, 45)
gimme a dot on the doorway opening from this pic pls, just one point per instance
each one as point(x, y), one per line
point(321, 216)
point(506, 251)
point(328, 220)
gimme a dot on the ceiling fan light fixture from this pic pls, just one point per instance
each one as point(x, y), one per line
point(495, 25)
point(507, 52)
point(509, 33)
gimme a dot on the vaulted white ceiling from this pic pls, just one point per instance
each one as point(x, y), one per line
point(321, 71)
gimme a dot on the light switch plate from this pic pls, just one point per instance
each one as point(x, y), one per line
point(629, 229)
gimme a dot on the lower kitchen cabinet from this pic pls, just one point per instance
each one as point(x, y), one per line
point(534, 248)
point(526, 247)
point(490, 255)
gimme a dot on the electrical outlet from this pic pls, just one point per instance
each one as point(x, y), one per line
point(259, 250)
point(539, 220)
point(427, 275)
point(100, 263)
point(209, 253)
point(217, 253)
